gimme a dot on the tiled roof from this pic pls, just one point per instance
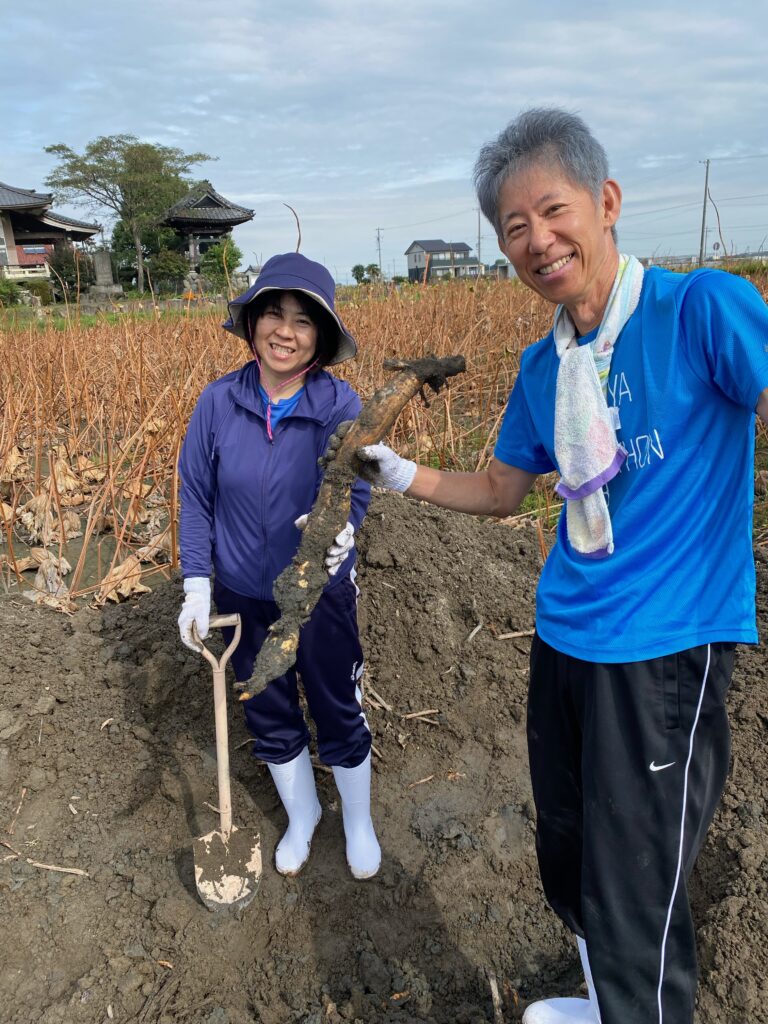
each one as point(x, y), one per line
point(12, 198)
point(438, 245)
point(59, 218)
point(205, 205)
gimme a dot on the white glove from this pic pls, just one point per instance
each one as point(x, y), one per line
point(196, 609)
point(384, 468)
point(338, 551)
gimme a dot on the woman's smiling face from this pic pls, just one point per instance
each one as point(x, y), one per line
point(558, 238)
point(284, 339)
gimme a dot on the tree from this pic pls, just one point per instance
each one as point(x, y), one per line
point(219, 262)
point(373, 272)
point(167, 270)
point(358, 272)
point(137, 180)
point(72, 269)
point(153, 241)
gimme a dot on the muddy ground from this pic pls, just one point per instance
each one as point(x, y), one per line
point(458, 893)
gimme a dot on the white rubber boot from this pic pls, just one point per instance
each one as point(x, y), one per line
point(295, 783)
point(567, 1011)
point(588, 977)
point(363, 850)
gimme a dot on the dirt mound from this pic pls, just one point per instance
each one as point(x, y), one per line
point(106, 721)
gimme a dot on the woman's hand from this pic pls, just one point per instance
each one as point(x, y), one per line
point(196, 610)
point(337, 552)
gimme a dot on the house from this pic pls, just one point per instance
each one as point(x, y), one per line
point(203, 217)
point(432, 258)
point(29, 229)
point(251, 272)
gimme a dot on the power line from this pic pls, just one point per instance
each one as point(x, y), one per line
point(754, 156)
point(686, 206)
point(689, 231)
point(434, 220)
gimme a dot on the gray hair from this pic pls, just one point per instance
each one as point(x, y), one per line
point(542, 134)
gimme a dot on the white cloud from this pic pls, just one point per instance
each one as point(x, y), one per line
point(373, 114)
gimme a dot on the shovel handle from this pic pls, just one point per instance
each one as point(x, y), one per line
point(219, 622)
point(220, 714)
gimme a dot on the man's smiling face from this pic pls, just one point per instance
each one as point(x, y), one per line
point(558, 237)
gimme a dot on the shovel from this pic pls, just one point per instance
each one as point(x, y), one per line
point(227, 861)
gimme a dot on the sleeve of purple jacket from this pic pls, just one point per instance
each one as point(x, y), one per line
point(361, 491)
point(198, 489)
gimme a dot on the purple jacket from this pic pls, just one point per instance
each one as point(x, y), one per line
point(240, 493)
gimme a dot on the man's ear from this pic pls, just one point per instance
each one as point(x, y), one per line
point(611, 202)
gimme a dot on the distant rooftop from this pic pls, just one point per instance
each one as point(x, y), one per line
point(28, 206)
point(437, 245)
point(204, 205)
point(52, 217)
point(12, 198)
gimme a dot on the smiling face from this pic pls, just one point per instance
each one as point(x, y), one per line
point(558, 239)
point(285, 340)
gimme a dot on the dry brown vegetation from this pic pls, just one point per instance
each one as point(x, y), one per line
point(93, 419)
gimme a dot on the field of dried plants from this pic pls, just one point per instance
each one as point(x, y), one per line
point(93, 418)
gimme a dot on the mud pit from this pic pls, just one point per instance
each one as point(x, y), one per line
point(458, 892)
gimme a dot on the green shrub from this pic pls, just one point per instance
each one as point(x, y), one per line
point(9, 292)
point(42, 289)
point(219, 262)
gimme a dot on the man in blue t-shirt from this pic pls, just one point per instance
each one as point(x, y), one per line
point(642, 398)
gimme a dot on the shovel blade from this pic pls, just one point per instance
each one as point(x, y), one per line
point(227, 872)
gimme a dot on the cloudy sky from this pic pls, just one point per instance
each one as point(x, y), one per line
point(369, 115)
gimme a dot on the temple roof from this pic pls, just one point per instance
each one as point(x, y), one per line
point(12, 198)
point(31, 211)
point(204, 206)
point(68, 223)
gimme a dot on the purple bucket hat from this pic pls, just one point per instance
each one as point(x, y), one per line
point(292, 271)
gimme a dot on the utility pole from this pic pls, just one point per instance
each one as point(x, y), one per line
point(378, 243)
point(704, 212)
point(479, 257)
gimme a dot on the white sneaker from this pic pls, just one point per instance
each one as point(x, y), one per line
point(363, 850)
point(295, 783)
point(560, 1011)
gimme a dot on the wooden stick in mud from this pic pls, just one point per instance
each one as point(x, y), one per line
point(299, 586)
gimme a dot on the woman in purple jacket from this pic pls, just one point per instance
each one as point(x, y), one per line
point(249, 471)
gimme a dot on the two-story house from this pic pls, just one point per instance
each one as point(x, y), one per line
point(432, 258)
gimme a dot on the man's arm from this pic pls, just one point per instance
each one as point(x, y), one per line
point(497, 491)
point(762, 407)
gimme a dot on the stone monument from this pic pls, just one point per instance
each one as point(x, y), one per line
point(105, 287)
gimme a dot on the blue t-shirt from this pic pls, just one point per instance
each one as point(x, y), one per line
point(687, 372)
point(282, 407)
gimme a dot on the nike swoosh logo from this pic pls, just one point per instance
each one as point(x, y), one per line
point(660, 767)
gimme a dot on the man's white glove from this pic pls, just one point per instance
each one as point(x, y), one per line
point(384, 468)
point(342, 544)
point(196, 609)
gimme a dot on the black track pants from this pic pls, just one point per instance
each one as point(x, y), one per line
point(628, 763)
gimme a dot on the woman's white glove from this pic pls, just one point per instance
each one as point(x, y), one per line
point(342, 544)
point(196, 609)
point(338, 551)
point(384, 468)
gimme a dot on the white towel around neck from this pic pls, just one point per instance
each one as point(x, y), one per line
point(587, 451)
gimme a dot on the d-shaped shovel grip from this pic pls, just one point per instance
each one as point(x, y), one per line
point(219, 622)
